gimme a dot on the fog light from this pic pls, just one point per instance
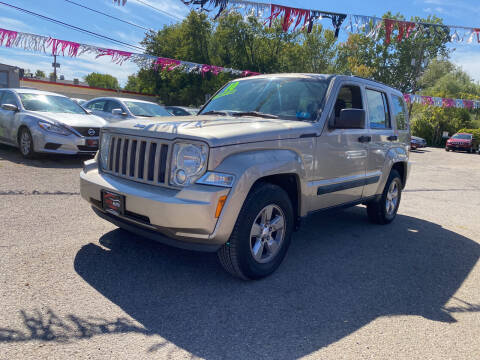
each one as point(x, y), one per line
point(180, 176)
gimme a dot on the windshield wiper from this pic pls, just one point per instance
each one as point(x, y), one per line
point(214, 112)
point(255, 113)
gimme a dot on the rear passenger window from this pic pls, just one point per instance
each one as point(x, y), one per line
point(349, 97)
point(400, 112)
point(97, 105)
point(377, 110)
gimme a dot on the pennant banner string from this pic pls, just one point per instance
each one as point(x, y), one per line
point(51, 46)
point(299, 18)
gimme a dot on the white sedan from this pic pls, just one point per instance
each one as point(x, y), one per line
point(43, 122)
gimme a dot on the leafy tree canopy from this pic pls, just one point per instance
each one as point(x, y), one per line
point(102, 81)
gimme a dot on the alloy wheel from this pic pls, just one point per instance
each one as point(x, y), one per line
point(267, 233)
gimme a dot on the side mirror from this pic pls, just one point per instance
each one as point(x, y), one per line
point(350, 119)
point(89, 112)
point(118, 112)
point(10, 107)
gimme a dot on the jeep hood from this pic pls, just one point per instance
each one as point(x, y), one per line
point(215, 130)
point(73, 120)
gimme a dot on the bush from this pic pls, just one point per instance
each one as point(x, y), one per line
point(430, 122)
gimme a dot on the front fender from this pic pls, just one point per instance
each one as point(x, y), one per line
point(248, 168)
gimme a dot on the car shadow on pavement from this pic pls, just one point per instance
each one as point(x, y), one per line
point(57, 161)
point(341, 273)
point(336, 278)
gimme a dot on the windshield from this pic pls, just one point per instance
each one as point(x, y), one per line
point(146, 109)
point(286, 97)
point(50, 103)
point(462, 136)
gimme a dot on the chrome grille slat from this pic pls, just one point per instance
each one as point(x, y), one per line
point(139, 159)
point(146, 158)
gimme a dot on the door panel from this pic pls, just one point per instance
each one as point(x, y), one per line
point(381, 131)
point(341, 159)
point(7, 118)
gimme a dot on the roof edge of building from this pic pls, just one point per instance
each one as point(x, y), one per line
point(85, 87)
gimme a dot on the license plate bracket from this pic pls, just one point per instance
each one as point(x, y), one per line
point(113, 203)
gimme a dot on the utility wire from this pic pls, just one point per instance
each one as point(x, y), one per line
point(72, 26)
point(160, 10)
point(108, 15)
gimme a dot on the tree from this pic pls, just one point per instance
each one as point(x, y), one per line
point(398, 63)
point(40, 74)
point(102, 81)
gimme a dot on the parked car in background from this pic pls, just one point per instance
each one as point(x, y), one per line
point(264, 152)
point(417, 143)
point(79, 101)
point(43, 122)
point(462, 142)
point(118, 109)
point(181, 110)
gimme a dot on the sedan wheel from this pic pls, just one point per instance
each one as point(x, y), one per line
point(25, 143)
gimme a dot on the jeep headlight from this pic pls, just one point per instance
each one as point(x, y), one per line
point(104, 149)
point(189, 162)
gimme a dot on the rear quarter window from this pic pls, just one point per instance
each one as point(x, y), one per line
point(400, 112)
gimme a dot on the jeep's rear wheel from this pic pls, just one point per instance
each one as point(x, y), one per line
point(384, 209)
point(262, 234)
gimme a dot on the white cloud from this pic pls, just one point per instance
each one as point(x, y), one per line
point(468, 60)
point(14, 24)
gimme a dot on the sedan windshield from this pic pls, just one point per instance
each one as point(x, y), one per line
point(138, 108)
point(50, 103)
point(290, 98)
point(462, 136)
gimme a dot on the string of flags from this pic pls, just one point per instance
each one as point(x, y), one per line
point(51, 46)
point(293, 19)
point(441, 102)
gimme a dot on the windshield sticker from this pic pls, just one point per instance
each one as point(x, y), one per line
point(229, 90)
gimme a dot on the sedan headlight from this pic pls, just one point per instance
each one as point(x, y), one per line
point(54, 128)
point(104, 149)
point(189, 162)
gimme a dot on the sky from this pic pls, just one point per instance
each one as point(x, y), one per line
point(459, 12)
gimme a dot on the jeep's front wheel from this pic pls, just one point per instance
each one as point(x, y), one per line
point(384, 209)
point(262, 234)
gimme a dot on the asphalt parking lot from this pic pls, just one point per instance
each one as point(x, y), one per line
point(74, 287)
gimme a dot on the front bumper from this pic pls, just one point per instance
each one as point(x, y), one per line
point(49, 142)
point(458, 147)
point(182, 216)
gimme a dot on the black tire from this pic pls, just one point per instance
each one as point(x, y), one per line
point(236, 256)
point(377, 210)
point(23, 135)
point(446, 149)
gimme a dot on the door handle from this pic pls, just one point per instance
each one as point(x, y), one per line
point(392, 138)
point(364, 139)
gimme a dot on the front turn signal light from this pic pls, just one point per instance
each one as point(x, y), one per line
point(220, 204)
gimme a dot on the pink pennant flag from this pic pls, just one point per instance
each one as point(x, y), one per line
point(118, 56)
point(166, 63)
point(59, 46)
point(7, 35)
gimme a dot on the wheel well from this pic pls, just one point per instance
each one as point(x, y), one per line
point(289, 183)
point(401, 168)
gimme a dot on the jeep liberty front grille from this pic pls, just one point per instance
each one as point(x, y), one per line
point(138, 158)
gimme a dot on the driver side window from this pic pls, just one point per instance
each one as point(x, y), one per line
point(349, 97)
point(8, 98)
